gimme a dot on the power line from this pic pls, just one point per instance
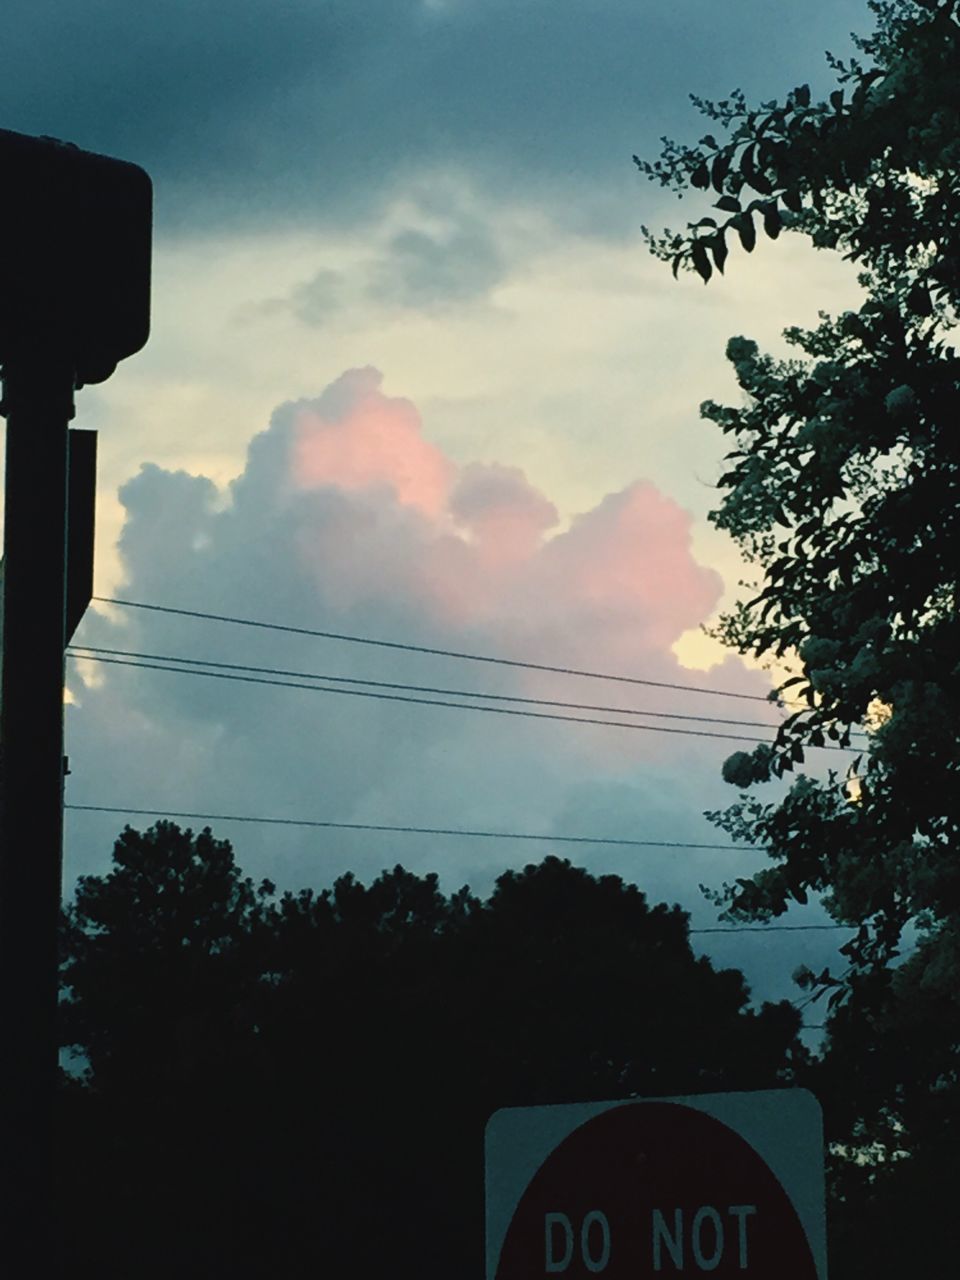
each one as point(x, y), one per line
point(459, 831)
point(419, 648)
point(764, 928)
point(433, 702)
point(89, 651)
point(407, 830)
point(448, 653)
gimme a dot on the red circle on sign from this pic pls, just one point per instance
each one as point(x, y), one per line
point(655, 1188)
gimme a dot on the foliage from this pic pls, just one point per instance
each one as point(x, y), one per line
point(174, 906)
point(844, 483)
point(891, 1085)
point(343, 1050)
point(843, 493)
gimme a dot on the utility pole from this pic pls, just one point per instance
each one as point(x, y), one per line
point(75, 232)
point(38, 405)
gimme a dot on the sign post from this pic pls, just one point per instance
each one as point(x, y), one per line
point(726, 1184)
point(75, 234)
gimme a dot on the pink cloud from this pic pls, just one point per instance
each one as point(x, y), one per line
point(369, 440)
point(629, 561)
point(473, 546)
point(504, 515)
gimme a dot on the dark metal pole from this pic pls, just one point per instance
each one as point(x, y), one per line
point(38, 405)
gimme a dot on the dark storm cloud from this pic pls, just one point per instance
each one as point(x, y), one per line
point(425, 269)
point(437, 254)
point(262, 111)
point(314, 302)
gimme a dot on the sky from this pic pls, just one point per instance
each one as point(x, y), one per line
point(413, 376)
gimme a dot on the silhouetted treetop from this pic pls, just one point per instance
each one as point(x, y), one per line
point(263, 1062)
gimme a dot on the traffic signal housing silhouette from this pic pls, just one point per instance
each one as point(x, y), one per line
point(75, 237)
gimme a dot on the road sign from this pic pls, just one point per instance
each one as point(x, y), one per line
point(729, 1184)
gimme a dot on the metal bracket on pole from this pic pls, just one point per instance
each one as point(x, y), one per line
point(81, 514)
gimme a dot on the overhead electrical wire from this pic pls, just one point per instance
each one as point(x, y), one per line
point(438, 652)
point(410, 830)
point(91, 651)
point(419, 648)
point(433, 702)
point(781, 928)
point(464, 832)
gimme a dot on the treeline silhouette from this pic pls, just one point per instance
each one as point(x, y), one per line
point(297, 1084)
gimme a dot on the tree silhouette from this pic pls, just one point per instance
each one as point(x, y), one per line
point(281, 1085)
point(843, 492)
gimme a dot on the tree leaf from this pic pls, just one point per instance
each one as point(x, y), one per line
point(719, 246)
point(700, 177)
point(788, 684)
point(728, 204)
point(746, 230)
point(701, 260)
point(720, 169)
point(747, 166)
point(771, 220)
point(750, 168)
point(865, 85)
